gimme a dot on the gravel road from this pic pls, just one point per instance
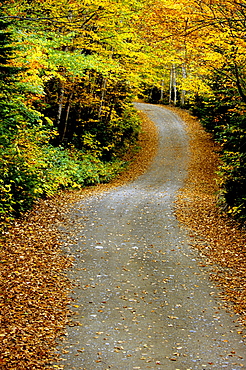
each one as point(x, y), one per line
point(141, 301)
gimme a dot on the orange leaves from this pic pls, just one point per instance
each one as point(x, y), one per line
point(33, 292)
point(220, 240)
point(205, 35)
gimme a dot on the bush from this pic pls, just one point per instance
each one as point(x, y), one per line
point(32, 168)
point(225, 117)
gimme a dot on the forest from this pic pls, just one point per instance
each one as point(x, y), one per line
point(71, 69)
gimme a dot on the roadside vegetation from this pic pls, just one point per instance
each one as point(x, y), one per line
point(69, 71)
point(219, 239)
point(66, 117)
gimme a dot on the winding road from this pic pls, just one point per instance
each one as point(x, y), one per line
point(140, 299)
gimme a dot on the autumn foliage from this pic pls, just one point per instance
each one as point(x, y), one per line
point(207, 67)
point(66, 96)
point(69, 71)
point(74, 68)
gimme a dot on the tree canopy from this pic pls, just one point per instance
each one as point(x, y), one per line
point(69, 71)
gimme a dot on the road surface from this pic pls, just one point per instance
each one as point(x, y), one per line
point(141, 301)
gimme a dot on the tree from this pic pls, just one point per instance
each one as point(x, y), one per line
point(77, 73)
point(81, 64)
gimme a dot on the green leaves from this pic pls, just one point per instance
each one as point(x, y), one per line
point(224, 116)
point(80, 63)
point(64, 115)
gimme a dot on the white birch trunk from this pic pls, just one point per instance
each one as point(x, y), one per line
point(170, 85)
point(102, 97)
point(67, 116)
point(174, 85)
point(60, 106)
point(183, 92)
point(162, 90)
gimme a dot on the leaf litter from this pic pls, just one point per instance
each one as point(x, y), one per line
point(34, 288)
point(34, 298)
point(219, 239)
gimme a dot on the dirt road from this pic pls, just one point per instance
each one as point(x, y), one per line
point(140, 299)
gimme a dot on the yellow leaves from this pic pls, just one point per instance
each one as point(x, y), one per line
point(224, 240)
point(194, 84)
point(204, 35)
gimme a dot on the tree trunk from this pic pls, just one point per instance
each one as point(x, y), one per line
point(238, 83)
point(60, 106)
point(162, 90)
point(68, 106)
point(104, 84)
point(170, 85)
point(183, 92)
point(174, 85)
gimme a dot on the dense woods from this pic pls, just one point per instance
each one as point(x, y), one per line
point(70, 70)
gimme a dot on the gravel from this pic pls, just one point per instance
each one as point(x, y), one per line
point(141, 299)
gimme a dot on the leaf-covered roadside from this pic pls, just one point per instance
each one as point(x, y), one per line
point(34, 289)
point(218, 238)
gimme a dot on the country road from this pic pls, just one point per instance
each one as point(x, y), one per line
point(141, 301)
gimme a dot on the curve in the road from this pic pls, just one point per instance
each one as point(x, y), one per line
point(141, 301)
